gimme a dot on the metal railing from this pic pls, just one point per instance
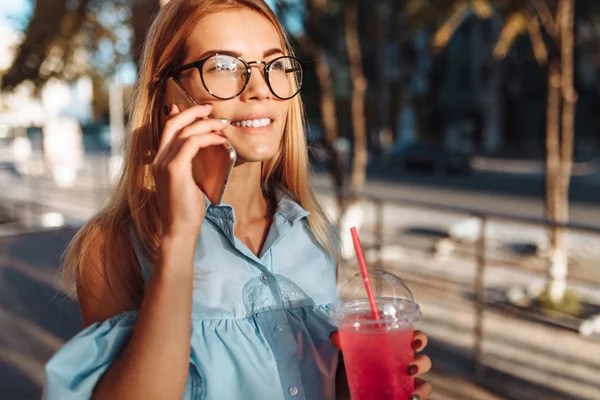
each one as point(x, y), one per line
point(480, 249)
point(380, 202)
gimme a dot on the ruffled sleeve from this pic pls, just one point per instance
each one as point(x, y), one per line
point(74, 371)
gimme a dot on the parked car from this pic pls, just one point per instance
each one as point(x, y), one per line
point(429, 157)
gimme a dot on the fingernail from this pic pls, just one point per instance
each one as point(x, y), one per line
point(412, 370)
point(206, 104)
point(224, 120)
point(417, 344)
point(166, 110)
point(415, 397)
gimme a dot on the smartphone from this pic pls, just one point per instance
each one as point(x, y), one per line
point(212, 166)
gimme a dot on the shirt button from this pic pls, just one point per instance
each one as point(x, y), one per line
point(293, 390)
point(279, 329)
point(264, 278)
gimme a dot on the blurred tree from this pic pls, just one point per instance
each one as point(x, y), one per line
point(557, 52)
point(314, 40)
point(68, 39)
point(142, 12)
point(359, 87)
point(320, 39)
point(49, 36)
point(552, 39)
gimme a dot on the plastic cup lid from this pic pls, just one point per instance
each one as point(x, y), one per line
point(394, 299)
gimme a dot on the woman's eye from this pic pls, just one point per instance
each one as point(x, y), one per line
point(278, 66)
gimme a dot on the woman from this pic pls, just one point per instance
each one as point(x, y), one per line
point(254, 286)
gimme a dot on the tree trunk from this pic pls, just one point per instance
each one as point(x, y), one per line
point(142, 12)
point(557, 267)
point(559, 245)
point(352, 214)
point(384, 135)
point(312, 43)
point(359, 86)
point(330, 125)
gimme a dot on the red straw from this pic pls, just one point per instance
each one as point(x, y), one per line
point(363, 270)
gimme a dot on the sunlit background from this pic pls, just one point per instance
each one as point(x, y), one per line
point(461, 136)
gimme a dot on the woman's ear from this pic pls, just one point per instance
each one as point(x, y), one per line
point(163, 113)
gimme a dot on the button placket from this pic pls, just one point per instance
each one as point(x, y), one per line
point(284, 346)
point(265, 279)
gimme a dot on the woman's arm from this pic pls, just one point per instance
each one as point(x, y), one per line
point(155, 362)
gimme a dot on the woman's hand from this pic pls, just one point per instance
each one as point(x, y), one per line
point(181, 203)
point(420, 365)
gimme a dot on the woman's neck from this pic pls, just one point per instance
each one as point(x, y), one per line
point(244, 193)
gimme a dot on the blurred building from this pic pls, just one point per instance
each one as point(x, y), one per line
point(467, 83)
point(498, 107)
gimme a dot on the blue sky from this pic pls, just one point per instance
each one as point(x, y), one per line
point(10, 9)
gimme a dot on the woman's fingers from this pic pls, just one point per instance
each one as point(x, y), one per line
point(419, 366)
point(419, 341)
point(423, 389)
point(335, 340)
point(179, 120)
point(189, 147)
point(204, 125)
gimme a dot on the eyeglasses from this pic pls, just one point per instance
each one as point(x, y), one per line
point(226, 76)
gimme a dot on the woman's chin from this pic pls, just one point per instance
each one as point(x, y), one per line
point(254, 155)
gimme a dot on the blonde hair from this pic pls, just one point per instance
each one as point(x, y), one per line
point(133, 200)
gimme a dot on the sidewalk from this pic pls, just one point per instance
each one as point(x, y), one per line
point(525, 360)
point(37, 320)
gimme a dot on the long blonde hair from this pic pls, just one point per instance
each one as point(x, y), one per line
point(133, 200)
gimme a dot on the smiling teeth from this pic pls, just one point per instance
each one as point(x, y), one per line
point(253, 123)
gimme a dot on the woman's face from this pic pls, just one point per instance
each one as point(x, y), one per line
point(252, 37)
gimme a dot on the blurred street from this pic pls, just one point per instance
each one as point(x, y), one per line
point(462, 137)
point(518, 194)
point(523, 358)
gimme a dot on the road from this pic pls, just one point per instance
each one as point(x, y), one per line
point(520, 194)
point(505, 193)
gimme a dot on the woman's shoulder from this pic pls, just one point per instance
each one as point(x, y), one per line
point(106, 271)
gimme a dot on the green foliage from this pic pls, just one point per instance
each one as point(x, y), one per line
point(570, 304)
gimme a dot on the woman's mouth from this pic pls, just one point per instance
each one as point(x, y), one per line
point(253, 126)
point(253, 123)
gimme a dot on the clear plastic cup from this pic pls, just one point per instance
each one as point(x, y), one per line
point(377, 352)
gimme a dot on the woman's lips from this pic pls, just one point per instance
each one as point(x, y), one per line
point(254, 126)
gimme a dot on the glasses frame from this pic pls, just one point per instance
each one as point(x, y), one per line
point(248, 64)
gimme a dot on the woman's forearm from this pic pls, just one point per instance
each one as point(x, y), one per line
point(155, 362)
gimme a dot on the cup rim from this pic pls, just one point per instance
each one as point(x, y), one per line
point(407, 317)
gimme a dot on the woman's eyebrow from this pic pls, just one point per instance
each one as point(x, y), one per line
point(267, 53)
point(272, 52)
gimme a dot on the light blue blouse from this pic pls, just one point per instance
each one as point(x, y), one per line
point(260, 325)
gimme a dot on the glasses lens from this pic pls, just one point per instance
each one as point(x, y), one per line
point(224, 76)
point(285, 77)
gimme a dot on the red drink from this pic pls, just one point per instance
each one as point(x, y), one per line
point(376, 335)
point(376, 357)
